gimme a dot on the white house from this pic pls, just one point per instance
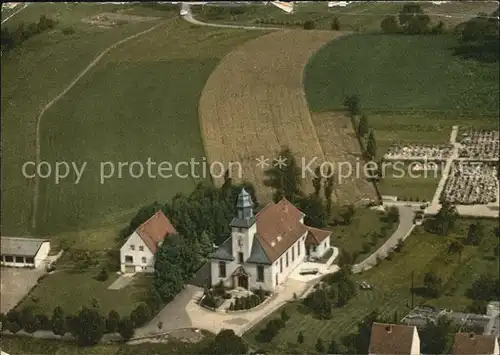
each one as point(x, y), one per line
point(137, 254)
point(24, 252)
point(465, 344)
point(390, 339)
point(265, 248)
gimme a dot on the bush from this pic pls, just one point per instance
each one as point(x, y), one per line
point(126, 328)
point(309, 25)
point(45, 322)
point(227, 296)
point(12, 327)
point(284, 315)
point(112, 322)
point(68, 31)
point(141, 314)
point(103, 274)
point(219, 289)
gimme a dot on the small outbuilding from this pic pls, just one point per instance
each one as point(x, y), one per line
point(24, 252)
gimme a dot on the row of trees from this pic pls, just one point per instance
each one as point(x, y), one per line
point(411, 20)
point(23, 32)
point(88, 326)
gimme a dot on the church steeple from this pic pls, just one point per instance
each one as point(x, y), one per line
point(244, 206)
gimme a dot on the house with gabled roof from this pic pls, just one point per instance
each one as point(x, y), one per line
point(470, 343)
point(394, 339)
point(137, 254)
point(264, 248)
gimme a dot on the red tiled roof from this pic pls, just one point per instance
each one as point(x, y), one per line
point(155, 229)
point(469, 344)
point(315, 235)
point(279, 227)
point(393, 339)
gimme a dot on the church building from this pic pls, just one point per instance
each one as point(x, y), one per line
point(264, 248)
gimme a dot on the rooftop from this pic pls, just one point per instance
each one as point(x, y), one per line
point(21, 246)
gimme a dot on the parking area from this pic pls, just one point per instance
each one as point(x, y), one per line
point(15, 284)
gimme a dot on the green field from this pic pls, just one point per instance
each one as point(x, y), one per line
point(391, 279)
point(351, 237)
point(27, 345)
point(139, 102)
point(32, 75)
point(397, 72)
point(361, 16)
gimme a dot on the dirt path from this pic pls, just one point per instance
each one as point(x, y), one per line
point(54, 100)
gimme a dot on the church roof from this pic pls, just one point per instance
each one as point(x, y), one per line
point(258, 254)
point(224, 251)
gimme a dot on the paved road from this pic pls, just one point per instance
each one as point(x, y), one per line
point(402, 232)
point(15, 13)
point(189, 18)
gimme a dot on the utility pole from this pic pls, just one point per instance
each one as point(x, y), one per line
point(412, 289)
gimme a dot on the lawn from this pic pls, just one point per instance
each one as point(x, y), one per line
point(409, 73)
point(28, 345)
point(391, 279)
point(402, 181)
point(361, 16)
point(351, 237)
point(32, 75)
point(71, 289)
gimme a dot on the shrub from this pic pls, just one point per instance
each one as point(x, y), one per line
point(284, 315)
point(141, 314)
point(126, 328)
point(219, 289)
point(68, 30)
point(112, 322)
point(366, 247)
point(103, 274)
point(12, 327)
point(44, 321)
point(300, 338)
point(378, 260)
point(227, 296)
point(309, 25)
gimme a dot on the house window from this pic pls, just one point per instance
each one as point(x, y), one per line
point(129, 259)
point(9, 259)
point(293, 253)
point(281, 265)
point(240, 257)
point(298, 248)
point(30, 260)
point(132, 247)
point(314, 247)
point(19, 259)
point(144, 260)
point(141, 247)
point(286, 259)
point(240, 230)
point(260, 273)
point(222, 269)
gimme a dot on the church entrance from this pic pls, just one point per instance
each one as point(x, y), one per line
point(243, 281)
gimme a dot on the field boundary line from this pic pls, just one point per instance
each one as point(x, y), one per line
point(36, 187)
point(15, 13)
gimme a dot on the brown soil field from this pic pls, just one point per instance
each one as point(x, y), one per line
point(254, 104)
point(340, 145)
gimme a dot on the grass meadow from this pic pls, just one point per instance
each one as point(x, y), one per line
point(32, 75)
point(358, 16)
point(391, 280)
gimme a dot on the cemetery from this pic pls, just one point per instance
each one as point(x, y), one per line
point(471, 183)
point(479, 145)
point(419, 152)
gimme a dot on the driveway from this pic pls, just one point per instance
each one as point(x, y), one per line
point(121, 282)
point(404, 229)
point(15, 284)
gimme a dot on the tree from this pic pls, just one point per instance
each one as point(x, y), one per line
point(126, 328)
point(485, 288)
point(112, 322)
point(456, 246)
point(309, 25)
point(347, 213)
point(444, 221)
point(390, 25)
point(226, 342)
point(285, 179)
point(140, 315)
point(393, 215)
point(329, 190)
point(58, 321)
point(475, 233)
point(89, 327)
point(320, 347)
point(362, 339)
point(317, 181)
point(436, 338)
point(315, 211)
point(335, 25)
point(12, 327)
point(371, 146)
point(477, 307)
point(413, 20)
point(433, 284)
point(335, 348)
point(300, 338)
point(227, 180)
point(29, 322)
point(103, 274)
point(284, 315)
point(352, 104)
point(362, 125)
